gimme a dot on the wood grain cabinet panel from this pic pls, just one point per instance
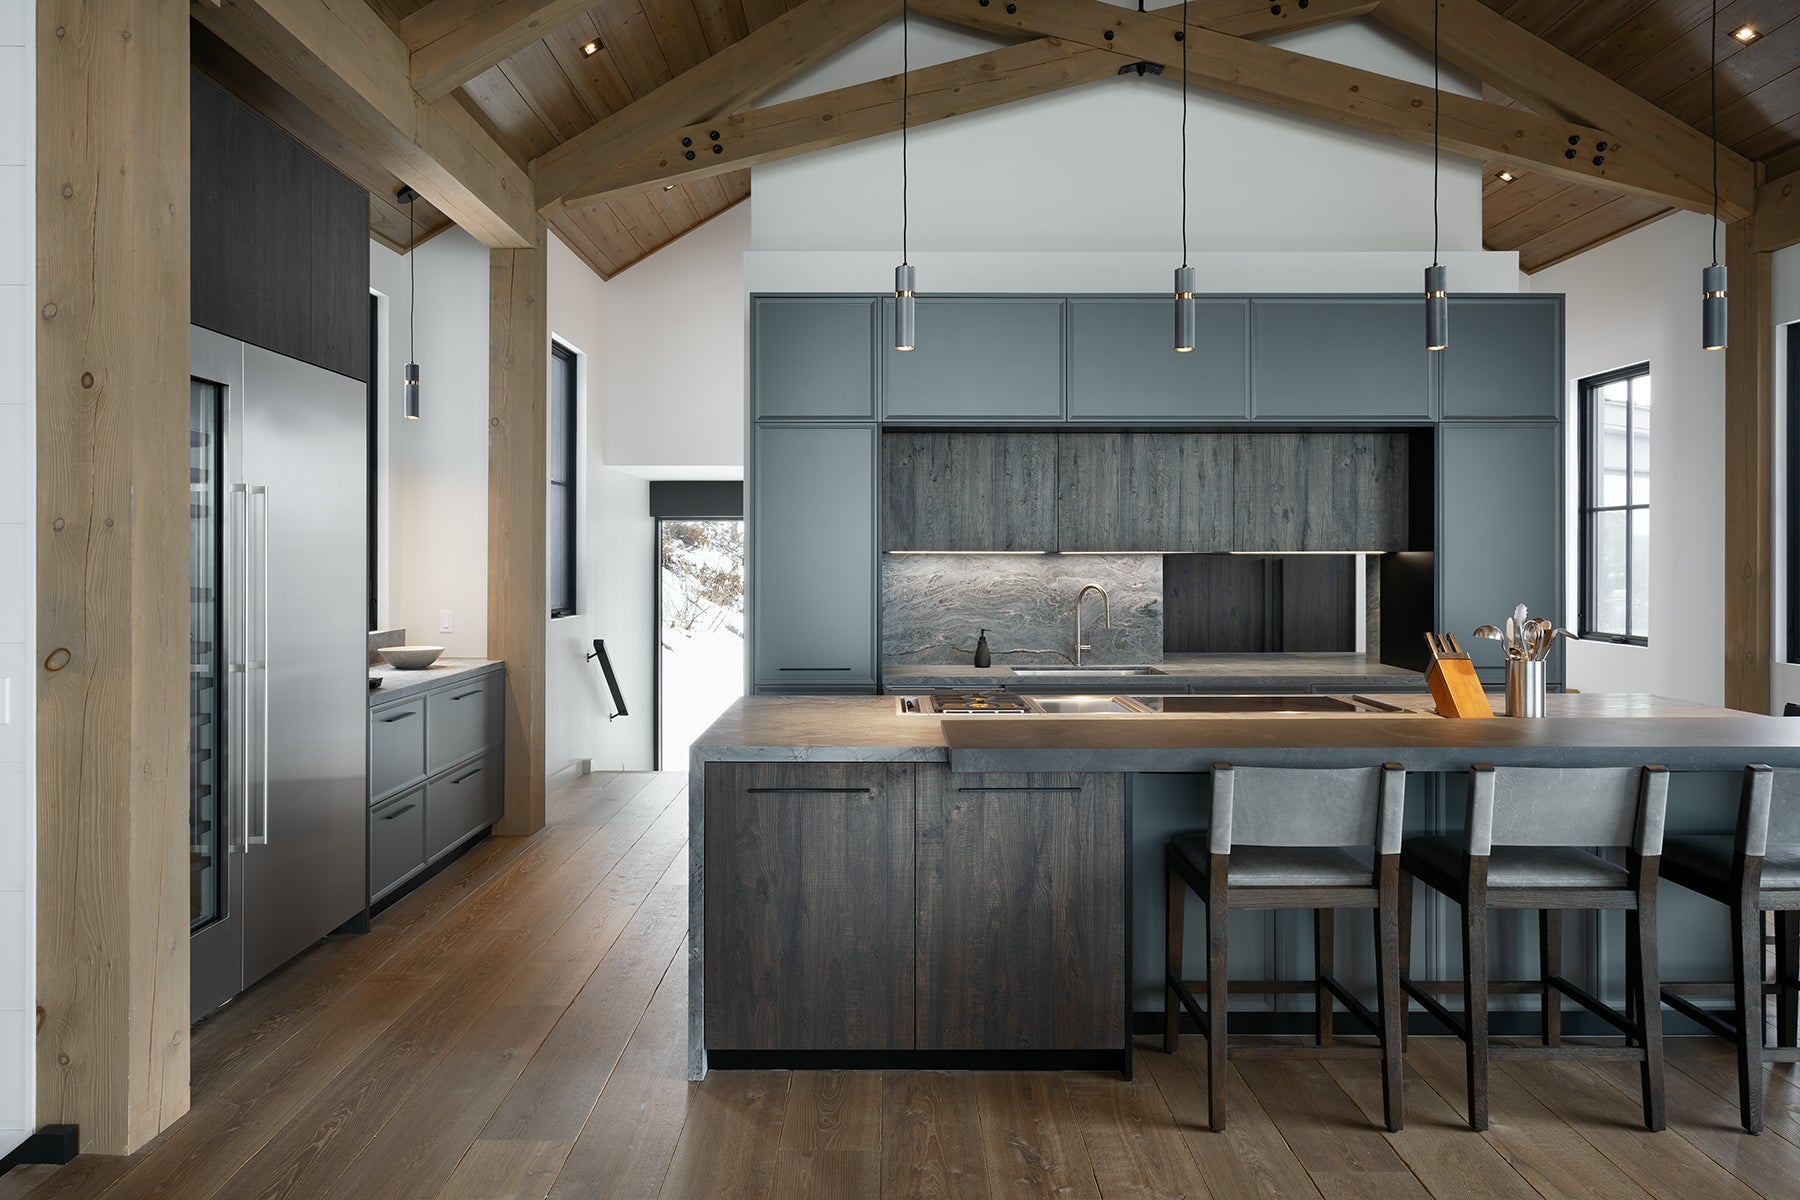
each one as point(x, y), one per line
point(809, 906)
point(1145, 492)
point(1321, 490)
point(1021, 911)
point(968, 491)
point(1123, 365)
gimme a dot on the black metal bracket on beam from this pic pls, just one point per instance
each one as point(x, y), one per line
point(406, 195)
point(53, 1145)
point(1142, 68)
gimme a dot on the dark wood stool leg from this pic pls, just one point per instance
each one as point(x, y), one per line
point(1217, 997)
point(1649, 998)
point(1176, 932)
point(1405, 918)
point(1550, 959)
point(1747, 1000)
point(1787, 965)
point(1324, 963)
point(1391, 999)
point(1475, 1006)
point(1632, 1007)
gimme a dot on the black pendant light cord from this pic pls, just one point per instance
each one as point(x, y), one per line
point(1713, 33)
point(1437, 9)
point(412, 277)
point(1184, 116)
point(905, 98)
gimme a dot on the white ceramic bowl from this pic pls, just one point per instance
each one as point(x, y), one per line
point(410, 658)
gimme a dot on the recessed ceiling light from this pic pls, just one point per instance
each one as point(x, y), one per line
point(668, 187)
point(589, 49)
point(1507, 177)
point(1745, 34)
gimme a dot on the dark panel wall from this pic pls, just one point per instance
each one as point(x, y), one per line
point(1248, 604)
point(280, 240)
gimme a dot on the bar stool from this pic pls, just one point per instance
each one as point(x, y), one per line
point(1278, 838)
point(1519, 849)
point(1757, 870)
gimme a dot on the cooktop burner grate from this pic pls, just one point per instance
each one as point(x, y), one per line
point(970, 703)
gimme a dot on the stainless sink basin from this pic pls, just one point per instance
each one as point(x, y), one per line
point(1086, 672)
point(1085, 704)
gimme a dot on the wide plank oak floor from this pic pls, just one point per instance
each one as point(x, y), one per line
point(517, 1028)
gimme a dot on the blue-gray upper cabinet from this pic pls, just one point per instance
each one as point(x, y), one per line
point(813, 564)
point(978, 359)
point(813, 357)
point(1499, 533)
point(1505, 357)
point(1334, 358)
point(1123, 365)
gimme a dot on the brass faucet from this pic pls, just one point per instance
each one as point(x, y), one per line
point(1079, 597)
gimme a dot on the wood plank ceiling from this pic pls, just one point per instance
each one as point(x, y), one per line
point(551, 91)
point(1660, 50)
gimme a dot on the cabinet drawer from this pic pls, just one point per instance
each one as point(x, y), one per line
point(460, 803)
point(462, 720)
point(396, 842)
point(396, 746)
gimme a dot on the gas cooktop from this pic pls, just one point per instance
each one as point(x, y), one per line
point(967, 703)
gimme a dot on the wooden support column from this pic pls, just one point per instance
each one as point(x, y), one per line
point(112, 586)
point(1749, 472)
point(518, 496)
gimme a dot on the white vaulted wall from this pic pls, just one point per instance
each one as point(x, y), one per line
point(18, 489)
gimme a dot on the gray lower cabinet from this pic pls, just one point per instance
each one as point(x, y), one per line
point(812, 357)
point(462, 719)
point(1145, 492)
point(1500, 532)
point(1123, 365)
point(1340, 358)
point(978, 359)
point(812, 564)
point(460, 803)
point(953, 490)
point(1321, 490)
point(396, 745)
point(1505, 357)
point(396, 842)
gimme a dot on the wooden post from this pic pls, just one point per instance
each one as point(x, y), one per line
point(1749, 472)
point(112, 355)
point(518, 499)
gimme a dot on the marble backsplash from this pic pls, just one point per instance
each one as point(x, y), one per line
point(933, 606)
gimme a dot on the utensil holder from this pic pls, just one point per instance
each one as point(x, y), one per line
point(1525, 686)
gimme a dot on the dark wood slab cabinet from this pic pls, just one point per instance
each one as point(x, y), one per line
point(906, 910)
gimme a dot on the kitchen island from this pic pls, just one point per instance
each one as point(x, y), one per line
point(985, 890)
point(1285, 672)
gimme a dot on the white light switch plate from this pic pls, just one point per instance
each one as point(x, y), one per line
point(444, 622)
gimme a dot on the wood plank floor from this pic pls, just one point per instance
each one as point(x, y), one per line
point(517, 1028)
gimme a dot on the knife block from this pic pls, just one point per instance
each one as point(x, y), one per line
point(1457, 689)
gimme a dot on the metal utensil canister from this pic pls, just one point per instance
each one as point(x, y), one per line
point(1525, 679)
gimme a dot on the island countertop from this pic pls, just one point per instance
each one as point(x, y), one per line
point(1298, 672)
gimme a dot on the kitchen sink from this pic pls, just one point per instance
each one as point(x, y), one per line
point(1265, 704)
point(1085, 704)
point(1083, 672)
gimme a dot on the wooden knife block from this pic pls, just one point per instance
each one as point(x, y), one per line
point(1457, 689)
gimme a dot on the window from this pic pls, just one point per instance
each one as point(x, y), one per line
point(563, 429)
point(1615, 506)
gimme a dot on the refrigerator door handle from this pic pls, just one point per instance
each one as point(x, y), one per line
point(259, 568)
point(238, 677)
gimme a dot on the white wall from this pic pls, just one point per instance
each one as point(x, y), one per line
point(437, 466)
point(18, 489)
point(673, 366)
point(1637, 299)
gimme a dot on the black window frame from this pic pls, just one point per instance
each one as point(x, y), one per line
point(1591, 428)
point(373, 517)
point(563, 490)
point(1791, 335)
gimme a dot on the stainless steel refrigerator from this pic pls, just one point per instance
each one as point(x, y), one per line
point(278, 479)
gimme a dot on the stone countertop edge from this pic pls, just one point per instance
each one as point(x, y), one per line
point(1345, 671)
point(395, 682)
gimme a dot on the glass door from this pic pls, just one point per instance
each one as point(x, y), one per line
point(205, 686)
point(700, 630)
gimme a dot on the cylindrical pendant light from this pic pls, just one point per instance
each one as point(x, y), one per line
point(1187, 311)
point(1712, 278)
point(905, 281)
point(409, 393)
point(1437, 307)
point(903, 307)
point(1437, 276)
point(409, 387)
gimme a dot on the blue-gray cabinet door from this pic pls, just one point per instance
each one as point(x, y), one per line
point(1123, 365)
point(1340, 357)
point(812, 570)
point(1505, 357)
point(812, 357)
point(1499, 533)
point(978, 359)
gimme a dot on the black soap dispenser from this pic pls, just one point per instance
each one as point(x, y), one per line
point(982, 657)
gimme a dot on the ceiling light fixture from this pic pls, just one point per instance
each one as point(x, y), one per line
point(1712, 279)
point(409, 389)
point(1187, 310)
point(589, 49)
point(1507, 177)
point(905, 281)
point(668, 187)
point(1745, 34)
point(1437, 296)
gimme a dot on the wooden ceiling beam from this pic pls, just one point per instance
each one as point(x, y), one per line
point(1778, 214)
point(341, 60)
point(1318, 88)
point(1480, 41)
point(453, 41)
point(728, 80)
point(851, 114)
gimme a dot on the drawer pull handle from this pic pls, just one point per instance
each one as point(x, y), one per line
point(400, 716)
point(466, 778)
point(812, 668)
point(466, 695)
point(399, 812)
